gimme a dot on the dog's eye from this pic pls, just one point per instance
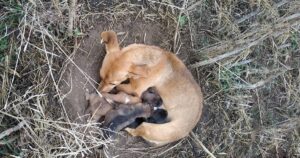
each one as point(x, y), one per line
point(112, 84)
point(127, 81)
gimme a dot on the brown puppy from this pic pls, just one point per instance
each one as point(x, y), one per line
point(150, 66)
point(99, 106)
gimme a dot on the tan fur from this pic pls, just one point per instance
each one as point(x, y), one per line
point(150, 66)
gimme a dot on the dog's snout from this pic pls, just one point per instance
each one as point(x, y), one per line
point(105, 88)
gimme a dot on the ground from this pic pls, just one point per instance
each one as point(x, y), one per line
point(244, 55)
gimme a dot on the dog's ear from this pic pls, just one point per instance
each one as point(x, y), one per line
point(110, 39)
point(138, 71)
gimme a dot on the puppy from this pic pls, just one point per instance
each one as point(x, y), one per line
point(133, 115)
point(158, 116)
point(118, 116)
point(99, 106)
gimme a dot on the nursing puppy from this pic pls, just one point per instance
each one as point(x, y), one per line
point(118, 116)
point(150, 66)
point(133, 115)
point(98, 106)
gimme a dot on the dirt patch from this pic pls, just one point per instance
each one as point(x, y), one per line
point(83, 73)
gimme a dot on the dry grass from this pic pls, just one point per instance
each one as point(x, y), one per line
point(246, 59)
point(30, 93)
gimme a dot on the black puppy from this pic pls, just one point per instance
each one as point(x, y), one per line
point(159, 116)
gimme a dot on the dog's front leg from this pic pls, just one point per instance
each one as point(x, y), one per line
point(127, 88)
point(122, 97)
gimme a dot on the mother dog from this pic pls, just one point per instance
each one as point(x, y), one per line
point(150, 66)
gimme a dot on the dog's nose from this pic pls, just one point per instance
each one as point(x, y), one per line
point(104, 89)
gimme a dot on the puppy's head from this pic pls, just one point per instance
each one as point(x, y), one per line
point(97, 106)
point(158, 116)
point(151, 96)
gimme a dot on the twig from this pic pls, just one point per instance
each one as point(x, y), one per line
point(248, 16)
point(178, 24)
point(169, 149)
point(8, 141)
point(13, 129)
point(166, 4)
point(56, 6)
point(193, 6)
point(262, 82)
point(200, 144)
point(72, 14)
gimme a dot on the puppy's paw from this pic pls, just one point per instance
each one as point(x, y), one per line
point(131, 131)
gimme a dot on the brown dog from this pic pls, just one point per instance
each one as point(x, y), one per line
point(150, 66)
